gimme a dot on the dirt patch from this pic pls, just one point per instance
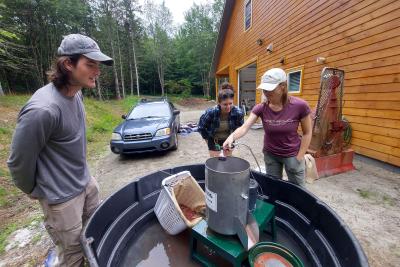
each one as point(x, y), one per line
point(9, 212)
point(28, 246)
point(29, 243)
point(194, 103)
point(368, 200)
point(8, 114)
point(191, 101)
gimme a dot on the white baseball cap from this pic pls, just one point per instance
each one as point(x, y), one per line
point(271, 78)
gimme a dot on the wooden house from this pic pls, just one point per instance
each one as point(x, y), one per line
point(362, 37)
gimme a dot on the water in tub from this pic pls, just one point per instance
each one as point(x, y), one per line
point(154, 247)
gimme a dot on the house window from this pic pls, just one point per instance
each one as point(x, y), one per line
point(294, 78)
point(247, 14)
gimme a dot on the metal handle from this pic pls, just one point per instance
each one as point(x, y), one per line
point(251, 151)
point(88, 251)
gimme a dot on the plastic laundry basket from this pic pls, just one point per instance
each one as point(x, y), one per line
point(180, 188)
point(272, 254)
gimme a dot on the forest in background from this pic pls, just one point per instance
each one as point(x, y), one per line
point(152, 55)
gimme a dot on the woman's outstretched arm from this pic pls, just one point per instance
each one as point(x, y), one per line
point(239, 132)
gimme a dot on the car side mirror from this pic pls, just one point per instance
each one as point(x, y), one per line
point(123, 116)
point(176, 112)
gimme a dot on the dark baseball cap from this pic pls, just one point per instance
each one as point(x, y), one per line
point(78, 44)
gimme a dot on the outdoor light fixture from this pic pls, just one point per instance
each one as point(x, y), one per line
point(282, 60)
point(321, 60)
point(259, 42)
point(269, 48)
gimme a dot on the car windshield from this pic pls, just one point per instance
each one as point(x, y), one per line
point(151, 110)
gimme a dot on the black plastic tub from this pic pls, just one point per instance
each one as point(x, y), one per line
point(318, 231)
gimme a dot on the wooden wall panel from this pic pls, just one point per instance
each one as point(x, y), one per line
point(362, 37)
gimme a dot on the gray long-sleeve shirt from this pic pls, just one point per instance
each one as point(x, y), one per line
point(48, 151)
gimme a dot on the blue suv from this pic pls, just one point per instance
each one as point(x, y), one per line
point(152, 125)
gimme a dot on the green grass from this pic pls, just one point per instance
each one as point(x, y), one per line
point(389, 200)
point(4, 172)
point(7, 190)
point(364, 193)
point(5, 233)
point(7, 196)
point(9, 108)
point(3, 197)
point(378, 197)
point(36, 238)
point(13, 100)
point(35, 218)
point(4, 131)
point(129, 102)
point(102, 118)
point(175, 98)
point(12, 227)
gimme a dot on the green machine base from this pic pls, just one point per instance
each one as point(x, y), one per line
point(229, 247)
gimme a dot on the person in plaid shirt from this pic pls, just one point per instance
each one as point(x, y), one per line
point(218, 122)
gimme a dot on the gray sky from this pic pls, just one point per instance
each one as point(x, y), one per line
point(178, 7)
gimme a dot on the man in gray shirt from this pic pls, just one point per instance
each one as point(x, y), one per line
point(48, 151)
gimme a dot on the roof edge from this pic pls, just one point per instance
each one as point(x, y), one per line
point(223, 27)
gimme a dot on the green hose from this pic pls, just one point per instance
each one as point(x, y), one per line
point(347, 133)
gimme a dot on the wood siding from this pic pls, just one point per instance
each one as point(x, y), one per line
point(360, 37)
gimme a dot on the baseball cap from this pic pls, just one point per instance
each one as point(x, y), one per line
point(271, 78)
point(78, 44)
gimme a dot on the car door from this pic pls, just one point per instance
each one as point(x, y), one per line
point(176, 117)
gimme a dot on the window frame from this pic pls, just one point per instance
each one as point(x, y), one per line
point(244, 15)
point(294, 70)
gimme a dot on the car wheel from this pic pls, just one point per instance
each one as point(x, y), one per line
point(175, 147)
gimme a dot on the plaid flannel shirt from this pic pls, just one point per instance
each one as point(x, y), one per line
point(209, 121)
